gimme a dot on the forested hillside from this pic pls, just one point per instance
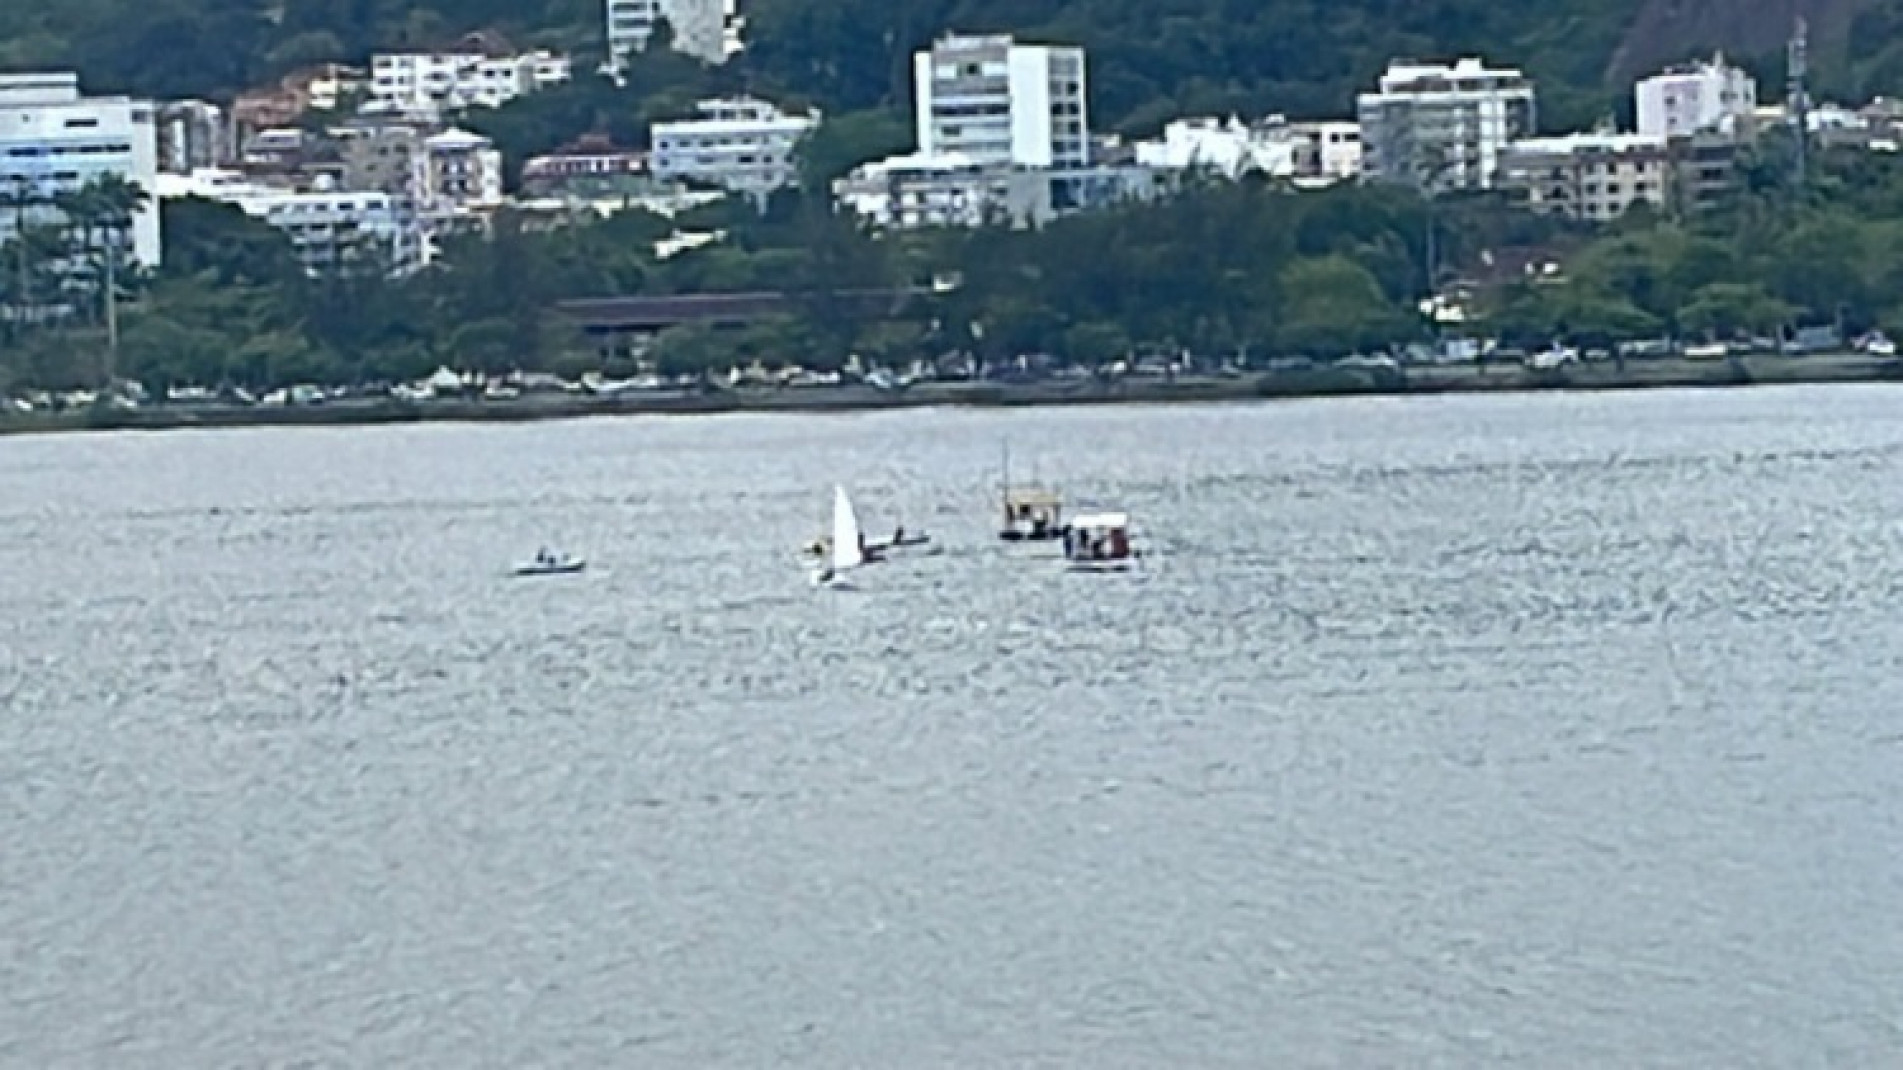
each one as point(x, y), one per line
point(1150, 58)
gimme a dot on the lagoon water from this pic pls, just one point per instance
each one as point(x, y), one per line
point(1496, 731)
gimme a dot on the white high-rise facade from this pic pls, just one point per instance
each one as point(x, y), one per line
point(1705, 98)
point(1443, 127)
point(994, 102)
point(53, 141)
point(742, 145)
point(699, 27)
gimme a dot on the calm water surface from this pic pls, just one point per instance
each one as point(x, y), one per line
point(1530, 731)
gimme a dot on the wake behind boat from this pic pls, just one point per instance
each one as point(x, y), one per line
point(547, 563)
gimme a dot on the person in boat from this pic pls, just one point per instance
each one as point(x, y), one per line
point(898, 535)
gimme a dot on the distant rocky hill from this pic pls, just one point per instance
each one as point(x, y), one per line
point(1665, 31)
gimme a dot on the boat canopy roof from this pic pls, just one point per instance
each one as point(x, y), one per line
point(1101, 521)
point(1022, 496)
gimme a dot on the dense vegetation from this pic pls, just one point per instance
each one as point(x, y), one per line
point(1248, 269)
point(1151, 58)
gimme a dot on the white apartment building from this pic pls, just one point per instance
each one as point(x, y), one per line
point(461, 174)
point(330, 229)
point(1328, 152)
point(429, 85)
point(53, 141)
point(1595, 177)
point(1704, 98)
point(1230, 148)
point(994, 101)
point(704, 29)
point(741, 144)
point(1442, 127)
point(1307, 154)
point(910, 192)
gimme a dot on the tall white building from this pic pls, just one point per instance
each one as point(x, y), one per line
point(742, 145)
point(53, 141)
point(700, 27)
point(431, 84)
point(1443, 127)
point(1705, 98)
point(992, 101)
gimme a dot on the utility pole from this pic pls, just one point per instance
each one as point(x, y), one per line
point(109, 298)
point(112, 311)
point(1797, 68)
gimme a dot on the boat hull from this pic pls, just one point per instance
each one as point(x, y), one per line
point(565, 569)
point(1101, 566)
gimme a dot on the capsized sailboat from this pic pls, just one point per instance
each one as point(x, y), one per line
point(872, 550)
point(848, 545)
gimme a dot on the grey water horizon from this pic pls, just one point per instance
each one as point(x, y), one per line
point(1553, 730)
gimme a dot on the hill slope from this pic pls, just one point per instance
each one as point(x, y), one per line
point(1150, 58)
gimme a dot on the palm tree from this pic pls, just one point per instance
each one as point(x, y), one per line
point(101, 213)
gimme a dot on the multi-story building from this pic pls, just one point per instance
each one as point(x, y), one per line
point(1595, 177)
point(1440, 127)
point(1704, 98)
point(994, 101)
point(1704, 169)
point(433, 84)
point(918, 191)
point(701, 28)
point(53, 141)
point(330, 229)
point(461, 175)
point(1307, 154)
point(1327, 151)
point(741, 144)
point(1230, 148)
point(385, 157)
point(192, 134)
point(590, 163)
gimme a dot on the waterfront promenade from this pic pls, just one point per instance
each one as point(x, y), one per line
point(1325, 381)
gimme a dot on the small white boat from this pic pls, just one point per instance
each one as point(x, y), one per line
point(847, 549)
point(551, 564)
point(1099, 542)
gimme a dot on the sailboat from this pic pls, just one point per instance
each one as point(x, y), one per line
point(848, 545)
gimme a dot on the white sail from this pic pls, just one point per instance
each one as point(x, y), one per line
point(847, 551)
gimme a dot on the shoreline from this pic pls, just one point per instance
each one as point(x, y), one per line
point(1763, 370)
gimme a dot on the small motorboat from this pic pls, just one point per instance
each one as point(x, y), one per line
point(1100, 542)
point(551, 564)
